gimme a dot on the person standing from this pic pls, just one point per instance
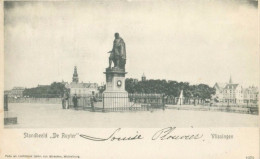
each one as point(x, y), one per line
point(63, 103)
point(67, 100)
point(63, 100)
point(75, 101)
point(92, 100)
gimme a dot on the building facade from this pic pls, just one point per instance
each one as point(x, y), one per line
point(233, 93)
point(16, 92)
point(7, 92)
point(251, 94)
point(81, 89)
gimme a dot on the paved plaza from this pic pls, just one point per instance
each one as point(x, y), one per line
point(53, 116)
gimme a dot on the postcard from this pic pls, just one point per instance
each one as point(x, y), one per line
point(129, 79)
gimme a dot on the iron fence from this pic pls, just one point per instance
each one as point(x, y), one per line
point(82, 102)
point(132, 102)
point(118, 102)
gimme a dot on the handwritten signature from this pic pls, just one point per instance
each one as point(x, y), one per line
point(112, 137)
point(163, 134)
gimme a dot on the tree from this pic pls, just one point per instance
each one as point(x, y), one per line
point(55, 90)
point(170, 88)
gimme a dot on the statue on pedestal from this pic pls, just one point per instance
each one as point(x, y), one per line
point(115, 93)
point(118, 53)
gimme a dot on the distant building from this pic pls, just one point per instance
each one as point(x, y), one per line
point(219, 87)
point(229, 92)
point(235, 94)
point(143, 77)
point(75, 77)
point(135, 80)
point(7, 92)
point(81, 89)
point(16, 92)
point(251, 94)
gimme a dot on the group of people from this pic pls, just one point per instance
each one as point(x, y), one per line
point(75, 98)
point(65, 101)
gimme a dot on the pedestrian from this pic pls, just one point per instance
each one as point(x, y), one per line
point(63, 101)
point(75, 101)
point(67, 100)
point(92, 100)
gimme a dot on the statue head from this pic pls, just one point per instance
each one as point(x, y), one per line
point(116, 35)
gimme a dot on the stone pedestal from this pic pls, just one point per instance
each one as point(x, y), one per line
point(115, 94)
point(115, 80)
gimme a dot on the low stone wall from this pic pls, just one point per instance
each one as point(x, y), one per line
point(210, 108)
point(35, 100)
point(10, 120)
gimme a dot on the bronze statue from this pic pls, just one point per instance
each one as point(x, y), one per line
point(118, 53)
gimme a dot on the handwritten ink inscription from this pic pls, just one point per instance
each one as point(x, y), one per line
point(112, 137)
point(168, 133)
point(163, 134)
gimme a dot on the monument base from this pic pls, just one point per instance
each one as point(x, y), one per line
point(115, 79)
point(118, 101)
point(115, 97)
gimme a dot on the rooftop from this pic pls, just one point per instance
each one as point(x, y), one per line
point(83, 85)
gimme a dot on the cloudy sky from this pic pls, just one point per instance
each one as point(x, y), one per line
point(202, 42)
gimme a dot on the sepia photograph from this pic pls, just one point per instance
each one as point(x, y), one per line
point(132, 64)
point(129, 79)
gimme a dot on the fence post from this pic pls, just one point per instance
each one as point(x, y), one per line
point(163, 102)
point(148, 100)
point(5, 102)
point(92, 104)
point(103, 100)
